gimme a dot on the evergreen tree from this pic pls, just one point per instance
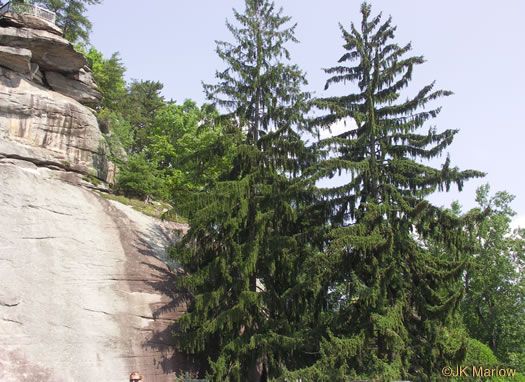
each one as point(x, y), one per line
point(246, 247)
point(396, 299)
point(140, 107)
point(70, 16)
point(108, 73)
point(138, 178)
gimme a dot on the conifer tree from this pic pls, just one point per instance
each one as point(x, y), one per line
point(396, 299)
point(248, 238)
point(139, 107)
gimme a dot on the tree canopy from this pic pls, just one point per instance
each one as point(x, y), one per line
point(396, 299)
point(245, 245)
point(70, 16)
point(493, 307)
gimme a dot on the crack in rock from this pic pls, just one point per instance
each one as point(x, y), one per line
point(98, 311)
point(14, 321)
point(155, 318)
point(47, 209)
point(143, 329)
point(39, 238)
point(9, 305)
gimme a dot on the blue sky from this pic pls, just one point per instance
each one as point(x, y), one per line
point(474, 48)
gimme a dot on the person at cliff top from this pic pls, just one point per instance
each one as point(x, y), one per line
point(135, 377)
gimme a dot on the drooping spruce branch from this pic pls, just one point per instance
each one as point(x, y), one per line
point(395, 299)
point(251, 234)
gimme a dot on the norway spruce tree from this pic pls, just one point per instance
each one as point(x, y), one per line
point(393, 300)
point(248, 238)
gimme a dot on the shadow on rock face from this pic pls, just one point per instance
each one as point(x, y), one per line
point(171, 309)
point(145, 241)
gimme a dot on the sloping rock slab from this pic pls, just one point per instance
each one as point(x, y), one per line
point(47, 127)
point(77, 90)
point(17, 59)
point(50, 52)
point(29, 21)
point(84, 291)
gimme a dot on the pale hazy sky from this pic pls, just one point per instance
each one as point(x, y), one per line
point(474, 48)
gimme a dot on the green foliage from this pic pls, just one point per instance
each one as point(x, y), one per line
point(21, 7)
point(493, 307)
point(155, 209)
point(185, 142)
point(397, 304)
point(479, 354)
point(117, 134)
point(109, 77)
point(91, 179)
point(70, 16)
point(108, 74)
point(139, 107)
point(139, 178)
point(248, 244)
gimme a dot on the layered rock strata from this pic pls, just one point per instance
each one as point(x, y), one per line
point(44, 85)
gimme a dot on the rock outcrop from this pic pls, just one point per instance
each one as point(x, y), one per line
point(44, 83)
point(80, 91)
point(17, 59)
point(85, 288)
point(29, 21)
point(50, 52)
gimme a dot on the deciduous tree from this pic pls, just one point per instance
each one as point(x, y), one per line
point(494, 302)
point(187, 144)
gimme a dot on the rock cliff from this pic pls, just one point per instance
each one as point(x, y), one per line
point(84, 285)
point(44, 87)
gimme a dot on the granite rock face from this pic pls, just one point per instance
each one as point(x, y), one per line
point(78, 90)
point(44, 84)
point(17, 59)
point(50, 52)
point(46, 127)
point(84, 286)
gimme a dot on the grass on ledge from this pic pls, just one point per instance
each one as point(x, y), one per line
point(155, 209)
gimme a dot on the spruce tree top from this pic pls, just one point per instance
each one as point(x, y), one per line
point(258, 88)
point(385, 148)
point(395, 298)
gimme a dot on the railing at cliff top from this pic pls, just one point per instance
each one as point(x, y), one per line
point(28, 9)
